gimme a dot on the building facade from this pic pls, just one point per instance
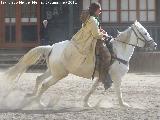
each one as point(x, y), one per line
point(20, 21)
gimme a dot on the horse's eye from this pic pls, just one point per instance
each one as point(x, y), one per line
point(145, 33)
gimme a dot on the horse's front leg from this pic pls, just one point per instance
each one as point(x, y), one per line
point(117, 85)
point(90, 92)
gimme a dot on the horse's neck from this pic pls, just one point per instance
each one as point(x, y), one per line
point(123, 50)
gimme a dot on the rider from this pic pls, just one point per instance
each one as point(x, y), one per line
point(84, 41)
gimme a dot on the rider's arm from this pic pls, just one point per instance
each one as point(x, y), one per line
point(95, 31)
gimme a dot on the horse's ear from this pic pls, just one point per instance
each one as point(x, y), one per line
point(135, 21)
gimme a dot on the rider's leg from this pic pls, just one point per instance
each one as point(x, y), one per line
point(105, 61)
point(105, 56)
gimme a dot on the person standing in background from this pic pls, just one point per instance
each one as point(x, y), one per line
point(44, 33)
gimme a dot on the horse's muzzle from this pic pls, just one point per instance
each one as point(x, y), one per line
point(152, 46)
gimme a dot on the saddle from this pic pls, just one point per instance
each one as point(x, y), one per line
point(103, 53)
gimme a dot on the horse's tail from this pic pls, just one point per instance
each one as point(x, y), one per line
point(30, 58)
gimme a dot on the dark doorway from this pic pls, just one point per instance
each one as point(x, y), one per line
point(57, 14)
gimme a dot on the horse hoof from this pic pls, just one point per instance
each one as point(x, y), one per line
point(42, 104)
point(125, 105)
point(86, 105)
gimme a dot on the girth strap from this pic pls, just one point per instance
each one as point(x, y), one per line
point(121, 60)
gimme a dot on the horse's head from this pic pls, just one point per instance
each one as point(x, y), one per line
point(143, 38)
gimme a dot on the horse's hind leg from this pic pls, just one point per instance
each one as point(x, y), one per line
point(90, 92)
point(39, 80)
point(45, 85)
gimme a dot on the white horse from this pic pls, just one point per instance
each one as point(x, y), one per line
point(123, 46)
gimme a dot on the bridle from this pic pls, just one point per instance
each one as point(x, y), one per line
point(147, 43)
point(139, 38)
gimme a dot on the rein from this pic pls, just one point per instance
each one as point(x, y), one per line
point(128, 43)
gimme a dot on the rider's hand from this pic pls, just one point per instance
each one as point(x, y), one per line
point(103, 31)
point(105, 35)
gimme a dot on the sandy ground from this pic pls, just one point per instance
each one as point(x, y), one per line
point(65, 100)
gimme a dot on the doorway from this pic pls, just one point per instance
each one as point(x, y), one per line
point(58, 15)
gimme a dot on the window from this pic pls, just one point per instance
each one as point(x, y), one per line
point(128, 10)
point(125, 10)
point(142, 10)
point(109, 10)
point(10, 12)
point(29, 21)
point(10, 20)
point(147, 10)
point(28, 12)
